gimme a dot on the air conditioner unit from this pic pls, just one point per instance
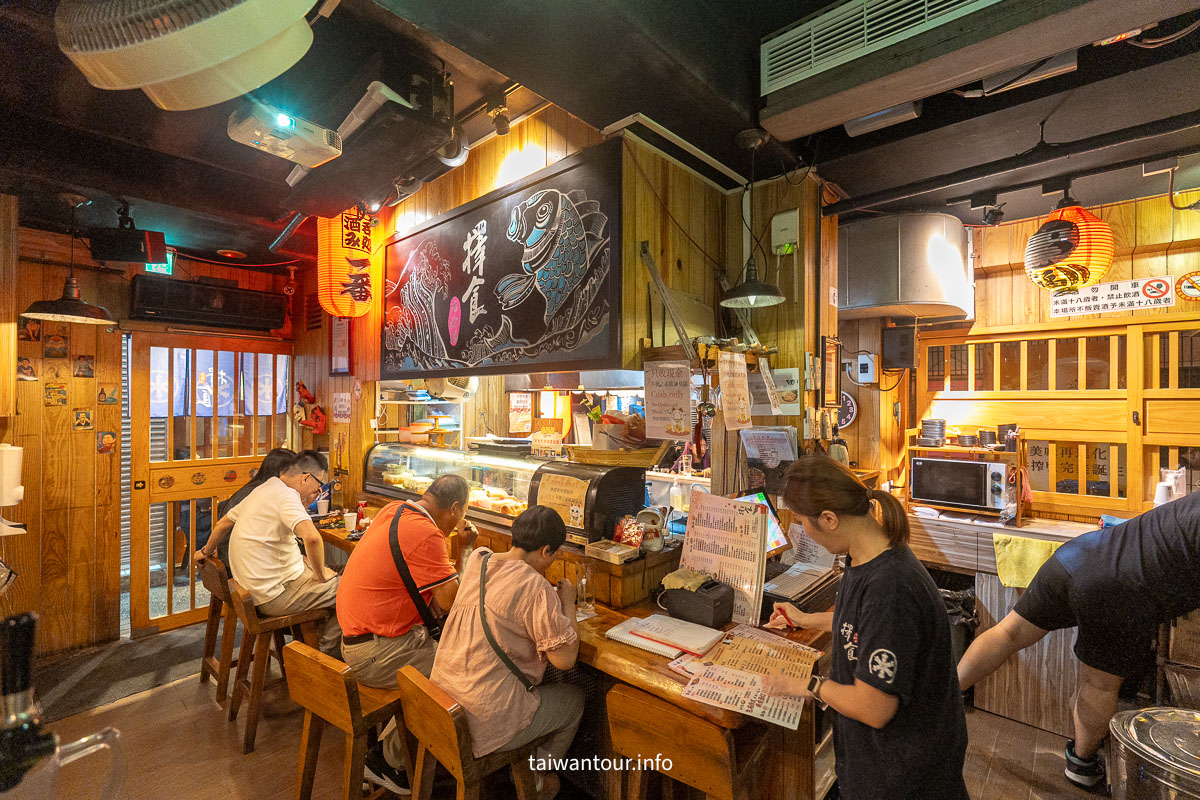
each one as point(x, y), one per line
point(167, 300)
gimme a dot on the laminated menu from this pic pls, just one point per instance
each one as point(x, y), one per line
point(741, 691)
point(726, 539)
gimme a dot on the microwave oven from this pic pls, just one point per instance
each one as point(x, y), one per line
point(969, 485)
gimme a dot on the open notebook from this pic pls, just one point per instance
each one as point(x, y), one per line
point(665, 636)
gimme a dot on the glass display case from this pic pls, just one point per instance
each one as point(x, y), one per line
point(499, 484)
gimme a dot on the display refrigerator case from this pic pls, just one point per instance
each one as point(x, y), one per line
point(499, 484)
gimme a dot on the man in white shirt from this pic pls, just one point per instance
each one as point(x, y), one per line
point(263, 555)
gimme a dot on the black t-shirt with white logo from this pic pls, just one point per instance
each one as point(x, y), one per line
point(890, 630)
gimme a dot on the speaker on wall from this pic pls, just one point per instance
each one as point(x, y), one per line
point(899, 349)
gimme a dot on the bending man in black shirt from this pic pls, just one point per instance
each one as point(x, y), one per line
point(1117, 585)
point(899, 732)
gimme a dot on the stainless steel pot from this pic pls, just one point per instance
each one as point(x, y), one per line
point(1154, 754)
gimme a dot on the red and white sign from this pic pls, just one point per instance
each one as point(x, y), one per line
point(1117, 296)
point(1188, 287)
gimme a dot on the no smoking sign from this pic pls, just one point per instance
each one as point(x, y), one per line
point(1156, 288)
point(1188, 287)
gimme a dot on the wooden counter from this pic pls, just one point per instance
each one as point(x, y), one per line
point(1037, 686)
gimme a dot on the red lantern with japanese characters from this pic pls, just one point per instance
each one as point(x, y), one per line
point(1072, 250)
point(347, 281)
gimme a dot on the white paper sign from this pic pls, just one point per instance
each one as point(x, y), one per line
point(787, 384)
point(341, 407)
point(770, 445)
point(727, 540)
point(520, 412)
point(808, 551)
point(1105, 298)
point(764, 393)
point(735, 390)
point(546, 444)
point(668, 400)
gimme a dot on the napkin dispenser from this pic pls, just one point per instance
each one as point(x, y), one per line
point(710, 605)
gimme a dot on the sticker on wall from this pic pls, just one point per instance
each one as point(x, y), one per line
point(357, 390)
point(55, 394)
point(1188, 286)
point(109, 396)
point(105, 441)
point(198, 478)
point(29, 330)
point(25, 370)
point(341, 408)
point(230, 476)
point(166, 482)
point(83, 419)
point(55, 347)
point(85, 367)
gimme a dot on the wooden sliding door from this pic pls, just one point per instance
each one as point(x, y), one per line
point(205, 410)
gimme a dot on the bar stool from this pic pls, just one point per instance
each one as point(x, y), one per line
point(440, 727)
point(724, 764)
point(257, 636)
point(220, 605)
point(327, 690)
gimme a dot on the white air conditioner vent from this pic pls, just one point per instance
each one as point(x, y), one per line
point(850, 31)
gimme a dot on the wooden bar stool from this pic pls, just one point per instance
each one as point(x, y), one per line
point(724, 764)
point(440, 727)
point(327, 690)
point(220, 605)
point(257, 635)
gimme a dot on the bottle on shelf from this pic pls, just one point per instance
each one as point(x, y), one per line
point(676, 495)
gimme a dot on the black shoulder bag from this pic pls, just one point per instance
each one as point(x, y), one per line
point(487, 630)
point(433, 626)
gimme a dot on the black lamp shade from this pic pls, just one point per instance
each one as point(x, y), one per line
point(752, 293)
point(69, 308)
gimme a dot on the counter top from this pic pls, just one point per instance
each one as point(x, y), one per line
point(968, 547)
point(1034, 527)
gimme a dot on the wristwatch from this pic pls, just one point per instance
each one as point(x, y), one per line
point(814, 688)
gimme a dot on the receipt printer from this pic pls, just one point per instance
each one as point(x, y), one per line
point(710, 604)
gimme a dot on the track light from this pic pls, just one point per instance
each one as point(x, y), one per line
point(993, 214)
point(497, 110)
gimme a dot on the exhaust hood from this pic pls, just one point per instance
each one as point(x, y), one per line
point(911, 265)
point(591, 381)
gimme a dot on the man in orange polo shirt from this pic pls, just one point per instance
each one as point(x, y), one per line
point(385, 614)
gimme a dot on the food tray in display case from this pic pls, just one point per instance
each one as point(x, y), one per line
point(499, 484)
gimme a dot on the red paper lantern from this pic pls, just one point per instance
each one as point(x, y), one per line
point(1072, 250)
point(346, 279)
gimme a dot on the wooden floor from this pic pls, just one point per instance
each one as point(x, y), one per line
point(178, 745)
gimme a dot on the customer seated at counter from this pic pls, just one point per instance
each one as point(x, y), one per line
point(273, 463)
point(899, 731)
point(506, 625)
point(1117, 584)
point(392, 592)
point(263, 556)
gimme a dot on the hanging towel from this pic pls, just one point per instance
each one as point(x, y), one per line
point(1026, 488)
point(1018, 558)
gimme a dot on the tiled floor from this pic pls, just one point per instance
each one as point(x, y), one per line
point(177, 744)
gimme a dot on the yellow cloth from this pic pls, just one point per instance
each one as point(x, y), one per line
point(1018, 558)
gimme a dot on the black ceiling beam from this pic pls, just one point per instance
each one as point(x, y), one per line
point(1042, 154)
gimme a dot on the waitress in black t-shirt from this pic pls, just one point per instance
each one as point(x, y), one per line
point(899, 731)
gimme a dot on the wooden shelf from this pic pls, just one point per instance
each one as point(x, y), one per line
point(420, 402)
point(976, 451)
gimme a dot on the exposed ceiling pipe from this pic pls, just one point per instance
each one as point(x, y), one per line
point(1043, 153)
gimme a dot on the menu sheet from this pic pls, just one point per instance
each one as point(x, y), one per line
point(520, 413)
point(744, 692)
point(668, 400)
point(806, 550)
point(735, 390)
point(727, 540)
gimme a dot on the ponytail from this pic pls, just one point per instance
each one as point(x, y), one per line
point(892, 517)
point(817, 483)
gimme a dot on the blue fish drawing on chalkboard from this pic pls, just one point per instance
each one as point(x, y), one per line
point(561, 232)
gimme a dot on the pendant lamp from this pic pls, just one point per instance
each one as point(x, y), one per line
point(751, 292)
point(1070, 251)
point(70, 307)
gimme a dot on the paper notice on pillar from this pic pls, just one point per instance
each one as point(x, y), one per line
point(341, 407)
point(742, 691)
point(520, 413)
point(787, 385)
point(806, 550)
point(735, 390)
point(764, 393)
point(771, 446)
point(668, 400)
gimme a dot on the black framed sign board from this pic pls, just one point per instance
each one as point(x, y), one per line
point(526, 278)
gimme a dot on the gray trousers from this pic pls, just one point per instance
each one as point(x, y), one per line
point(375, 664)
point(306, 593)
point(559, 713)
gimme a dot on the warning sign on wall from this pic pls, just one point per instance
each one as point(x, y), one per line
point(1116, 296)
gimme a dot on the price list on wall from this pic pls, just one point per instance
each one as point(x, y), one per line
point(727, 540)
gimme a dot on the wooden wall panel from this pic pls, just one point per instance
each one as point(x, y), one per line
point(1037, 685)
point(69, 559)
point(8, 304)
point(875, 439)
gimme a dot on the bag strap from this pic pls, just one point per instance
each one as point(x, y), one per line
point(433, 626)
point(487, 630)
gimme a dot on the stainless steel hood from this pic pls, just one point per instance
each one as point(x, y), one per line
point(591, 381)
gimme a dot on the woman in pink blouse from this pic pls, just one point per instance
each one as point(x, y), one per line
point(493, 670)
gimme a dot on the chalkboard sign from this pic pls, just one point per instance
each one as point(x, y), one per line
point(526, 277)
